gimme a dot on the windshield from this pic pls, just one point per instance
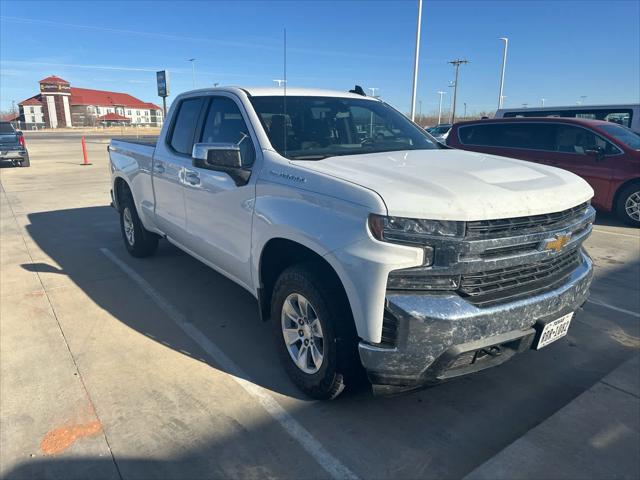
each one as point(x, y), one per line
point(624, 135)
point(314, 128)
point(439, 130)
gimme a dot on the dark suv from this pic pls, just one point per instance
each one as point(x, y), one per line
point(12, 146)
point(606, 155)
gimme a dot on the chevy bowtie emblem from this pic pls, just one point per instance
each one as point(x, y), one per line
point(560, 240)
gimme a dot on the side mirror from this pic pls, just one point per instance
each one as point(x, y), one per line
point(595, 151)
point(221, 157)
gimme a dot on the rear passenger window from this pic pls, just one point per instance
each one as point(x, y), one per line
point(530, 136)
point(185, 125)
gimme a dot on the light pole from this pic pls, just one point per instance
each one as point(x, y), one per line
point(373, 94)
point(441, 93)
point(420, 108)
point(504, 66)
point(415, 63)
point(456, 63)
point(543, 100)
point(193, 70)
point(465, 109)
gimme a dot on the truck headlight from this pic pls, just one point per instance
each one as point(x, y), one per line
point(412, 231)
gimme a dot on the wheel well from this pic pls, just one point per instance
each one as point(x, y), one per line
point(120, 188)
point(620, 188)
point(279, 254)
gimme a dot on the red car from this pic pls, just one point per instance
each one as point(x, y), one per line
point(605, 154)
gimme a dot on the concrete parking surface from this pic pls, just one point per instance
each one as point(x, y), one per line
point(115, 367)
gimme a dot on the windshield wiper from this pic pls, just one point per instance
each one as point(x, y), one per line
point(308, 157)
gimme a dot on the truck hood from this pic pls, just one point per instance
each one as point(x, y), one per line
point(456, 184)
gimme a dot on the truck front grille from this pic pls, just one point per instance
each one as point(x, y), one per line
point(500, 285)
point(521, 225)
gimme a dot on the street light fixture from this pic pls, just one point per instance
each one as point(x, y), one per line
point(279, 82)
point(504, 66)
point(193, 71)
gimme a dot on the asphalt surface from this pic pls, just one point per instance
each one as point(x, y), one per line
point(114, 367)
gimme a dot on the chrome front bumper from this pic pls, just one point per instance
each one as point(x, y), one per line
point(434, 330)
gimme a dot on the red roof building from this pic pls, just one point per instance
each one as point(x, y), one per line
point(114, 118)
point(60, 105)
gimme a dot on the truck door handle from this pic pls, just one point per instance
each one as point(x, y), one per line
point(158, 167)
point(192, 177)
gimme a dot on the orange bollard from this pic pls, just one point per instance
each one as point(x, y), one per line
point(85, 160)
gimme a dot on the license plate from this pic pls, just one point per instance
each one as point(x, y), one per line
point(554, 330)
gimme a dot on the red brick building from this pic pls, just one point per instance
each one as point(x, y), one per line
point(60, 105)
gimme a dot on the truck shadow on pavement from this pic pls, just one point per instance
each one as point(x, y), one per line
point(444, 431)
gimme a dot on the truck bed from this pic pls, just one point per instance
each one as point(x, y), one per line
point(146, 140)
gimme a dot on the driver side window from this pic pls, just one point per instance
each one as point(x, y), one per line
point(224, 124)
point(570, 139)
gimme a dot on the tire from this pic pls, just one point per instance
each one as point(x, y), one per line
point(138, 241)
point(327, 304)
point(25, 162)
point(628, 204)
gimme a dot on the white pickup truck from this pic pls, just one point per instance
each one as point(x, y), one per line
point(365, 242)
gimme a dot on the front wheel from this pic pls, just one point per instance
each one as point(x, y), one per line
point(314, 332)
point(628, 204)
point(138, 241)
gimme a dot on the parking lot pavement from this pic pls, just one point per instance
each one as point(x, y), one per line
point(117, 367)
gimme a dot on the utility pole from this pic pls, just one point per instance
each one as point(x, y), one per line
point(193, 71)
point(441, 93)
point(504, 66)
point(456, 63)
point(415, 63)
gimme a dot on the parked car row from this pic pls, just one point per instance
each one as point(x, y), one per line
point(12, 146)
point(605, 154)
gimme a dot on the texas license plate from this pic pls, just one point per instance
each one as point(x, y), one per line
point(554, 330)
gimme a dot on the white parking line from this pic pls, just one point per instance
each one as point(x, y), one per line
point(616, 233)
point(613, 307)
point(331, 464)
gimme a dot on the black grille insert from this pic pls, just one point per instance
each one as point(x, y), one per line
point(492, 286)
point(515, 226)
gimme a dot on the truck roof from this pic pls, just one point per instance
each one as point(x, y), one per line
point(279, 91)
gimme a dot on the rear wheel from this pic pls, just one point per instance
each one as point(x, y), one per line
point(25, 162)
point(138, 241)
point(314, 332)
point(628, 204)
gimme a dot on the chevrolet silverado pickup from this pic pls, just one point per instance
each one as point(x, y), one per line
point(12, 146)
point(368, 245)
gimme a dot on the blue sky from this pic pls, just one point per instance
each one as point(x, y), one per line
point(559, 50)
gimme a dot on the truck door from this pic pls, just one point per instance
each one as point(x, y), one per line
point(219, 212)
point(171, 158)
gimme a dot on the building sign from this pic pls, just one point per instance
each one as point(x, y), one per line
point(163, 83)
point(54, 87)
